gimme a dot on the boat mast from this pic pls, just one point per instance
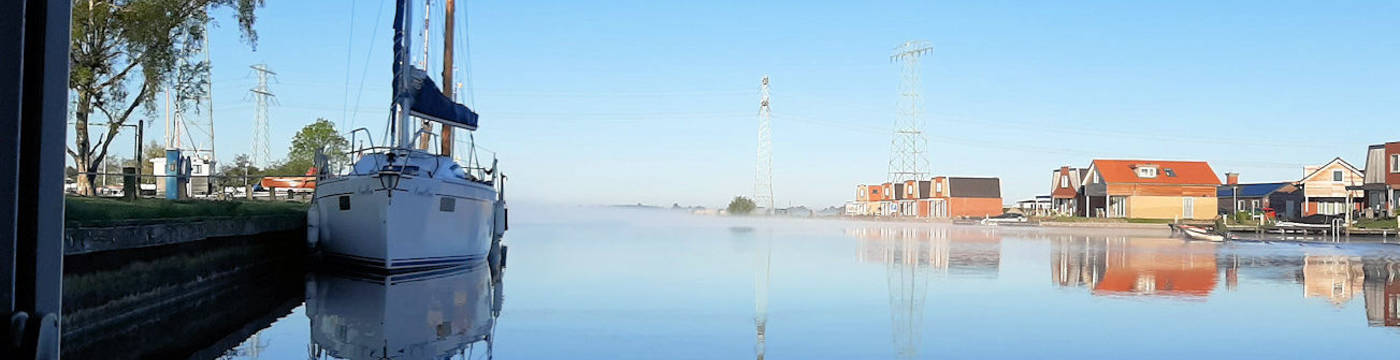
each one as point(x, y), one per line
point(425, 136)
point(402, 101)
point(449, 10)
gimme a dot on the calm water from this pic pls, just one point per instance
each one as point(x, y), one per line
point(587, 283)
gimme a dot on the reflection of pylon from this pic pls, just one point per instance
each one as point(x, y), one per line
point(763, 259)
point(908, 145)
point(908, 262)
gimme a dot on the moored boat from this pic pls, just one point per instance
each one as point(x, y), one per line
point(401, 206)
point(1198, 233)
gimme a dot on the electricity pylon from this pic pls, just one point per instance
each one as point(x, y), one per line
point(908, 145)
point(763, 178)
point(262, 153)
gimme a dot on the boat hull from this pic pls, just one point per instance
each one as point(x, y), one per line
point(424, 223)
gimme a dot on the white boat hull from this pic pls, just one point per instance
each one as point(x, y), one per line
point(425, 223)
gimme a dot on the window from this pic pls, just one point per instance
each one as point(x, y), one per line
point(1395, 163)
point(939, 188)
point(1064, 181)
point(1169, 172)
point(1253, 204)
point(1147, 172)
point(1239, 206)
point(1337, 175)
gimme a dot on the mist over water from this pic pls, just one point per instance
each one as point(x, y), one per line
point(615, 283)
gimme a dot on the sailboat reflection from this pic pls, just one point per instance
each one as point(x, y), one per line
point(432, 314)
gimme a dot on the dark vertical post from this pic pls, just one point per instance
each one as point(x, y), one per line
point(33, 109)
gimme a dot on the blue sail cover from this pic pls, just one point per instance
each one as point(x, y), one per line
point(425, 100)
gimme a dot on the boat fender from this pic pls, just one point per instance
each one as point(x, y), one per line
point(313, 220)
point(498, 217)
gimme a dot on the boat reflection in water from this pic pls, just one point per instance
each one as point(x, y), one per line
point(432, 314)
point(1121, 266)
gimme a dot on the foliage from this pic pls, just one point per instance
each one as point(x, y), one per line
point(123, 52)
point(240, 172)
point(741, 206)
point(95, 211)
point(318, 136)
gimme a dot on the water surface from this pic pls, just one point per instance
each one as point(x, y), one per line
point(590, 283)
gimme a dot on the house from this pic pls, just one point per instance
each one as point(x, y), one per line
point(1324, 188)
point(909, 198)
point(1382, 178)
point(1151, 189)
point(1038, 206)
point(869, 200)
point(953, 197)
point(1064, 189)
point(1236, 197)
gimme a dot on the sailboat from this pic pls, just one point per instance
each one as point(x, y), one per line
point(401, 206)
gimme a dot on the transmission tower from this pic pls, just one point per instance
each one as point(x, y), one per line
point(908, 145)
point(262, 154)
point(763, 179)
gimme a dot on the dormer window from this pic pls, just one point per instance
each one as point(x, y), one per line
point(1169, 172)
point(1147, 172)
point(1064, 181)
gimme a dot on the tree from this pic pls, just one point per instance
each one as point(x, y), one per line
point(124, 51)
point(741, 206)
point(318, 136)
point(238, 172)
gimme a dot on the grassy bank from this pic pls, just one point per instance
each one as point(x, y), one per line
point(87, 211)
point(1376, 223)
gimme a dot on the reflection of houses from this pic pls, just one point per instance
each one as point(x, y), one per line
point(1124, 266)
point(1150, 189)
point(1337, 278)
point(1077, 261)
point(1382, 293)
point(940, 248)
point(909, 255)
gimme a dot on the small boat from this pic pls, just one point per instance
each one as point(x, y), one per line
point(1198, 233)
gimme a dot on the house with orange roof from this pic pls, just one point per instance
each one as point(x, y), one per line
point(1150, 189)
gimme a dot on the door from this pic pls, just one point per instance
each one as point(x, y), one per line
point(1288, 209)
point(1188, 207)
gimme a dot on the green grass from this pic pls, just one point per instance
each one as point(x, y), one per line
point(97, 211)
point(1376, 223)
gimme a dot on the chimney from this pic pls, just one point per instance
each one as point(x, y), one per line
point(1232, 178)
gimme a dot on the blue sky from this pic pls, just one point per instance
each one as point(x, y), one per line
point(656, 102)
